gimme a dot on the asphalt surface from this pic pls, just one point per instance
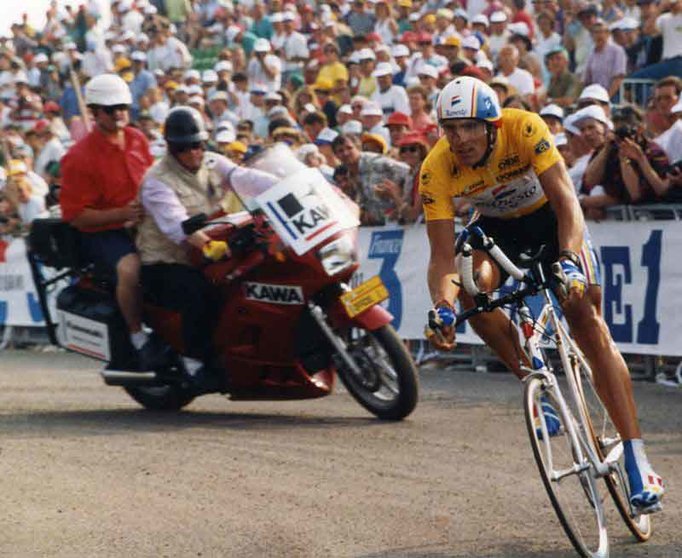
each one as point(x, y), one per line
point(84, 471)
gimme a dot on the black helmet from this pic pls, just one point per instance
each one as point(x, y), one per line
point(183, 126)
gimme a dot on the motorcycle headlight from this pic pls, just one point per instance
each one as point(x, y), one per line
point(337, 255)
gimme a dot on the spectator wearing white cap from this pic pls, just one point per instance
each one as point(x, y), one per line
point(294, 49)
point(671, 140)
point(553, 115)
point(167, 52)
point(143, 80)
point(519, 79)
point(256, 110)
point(428, 79)
point(34, 67)
point(426, 56)
point(580, 152)
point(367, 83)
point(372, 118)
point(607, 64)
point(132, 20)
point(391, 98)
point(499, 34)
point(264, 67)
point(471, 48)
point(400, 54)
point(595, 94)
point(218, 106)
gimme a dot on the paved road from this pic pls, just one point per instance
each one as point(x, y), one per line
point(85, 472)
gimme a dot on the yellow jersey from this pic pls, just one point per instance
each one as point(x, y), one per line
point(506, 186)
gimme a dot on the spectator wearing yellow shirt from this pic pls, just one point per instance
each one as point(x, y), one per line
point(332, 69)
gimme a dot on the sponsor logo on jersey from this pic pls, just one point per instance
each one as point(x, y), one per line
point(509, 162)
point(273, 294)
point(456, 99)
point(510, 200)
point(427, 199)
point(473, 188)
point(511, 174)
point(541, 146)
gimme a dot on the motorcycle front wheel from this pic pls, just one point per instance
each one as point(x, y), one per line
point(386, 381)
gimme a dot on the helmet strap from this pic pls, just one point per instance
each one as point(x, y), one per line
point(490, 133)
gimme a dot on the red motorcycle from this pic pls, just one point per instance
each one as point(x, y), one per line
point(288, 320)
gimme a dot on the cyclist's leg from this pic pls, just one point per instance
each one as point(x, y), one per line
point(614, 386)
point(495, 328)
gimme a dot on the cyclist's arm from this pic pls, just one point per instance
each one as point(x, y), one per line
point(559, 190)
point(442, 269)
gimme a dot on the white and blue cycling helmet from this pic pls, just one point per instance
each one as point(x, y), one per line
point(468, 97)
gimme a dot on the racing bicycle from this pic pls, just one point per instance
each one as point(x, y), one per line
point(583, 461)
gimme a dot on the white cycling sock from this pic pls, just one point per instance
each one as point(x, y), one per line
point(192, 365)
point(138, 339)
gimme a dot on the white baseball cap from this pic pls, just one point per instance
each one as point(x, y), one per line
point(327, 135)
point(400, 50)
point(261, 45)
point(569, 125)
point(223, 66)
point(139, 56)
point(352, 127)
point(480, 18)
point(191, 74)
point(592, 112)
point(595, 92)
point(225, 136)
point(428, 70)
point(552, 110)
point(560, 139)
point(366, 54)
point(345, 109)
point(218, 96)
point(498, 17)
point(471, 42)
point(486, 64)
point(383, 69)
point(209, 76)
point(371, 109)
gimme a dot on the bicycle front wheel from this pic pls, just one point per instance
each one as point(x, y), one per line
point(609, 448)
point(567, 476)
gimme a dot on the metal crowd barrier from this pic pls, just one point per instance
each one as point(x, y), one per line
point(636, 91)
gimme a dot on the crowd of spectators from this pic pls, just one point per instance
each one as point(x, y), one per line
point(351, 86)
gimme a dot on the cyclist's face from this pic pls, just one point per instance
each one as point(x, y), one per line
point(467, 139)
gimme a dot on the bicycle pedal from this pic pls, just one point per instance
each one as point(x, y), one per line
point(654, 508)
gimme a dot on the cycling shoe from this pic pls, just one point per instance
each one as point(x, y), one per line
point(646, 487)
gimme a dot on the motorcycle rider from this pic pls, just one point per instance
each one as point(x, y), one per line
point(100, 180)
point(187, 181)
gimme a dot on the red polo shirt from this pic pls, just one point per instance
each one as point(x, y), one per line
point(98, 174)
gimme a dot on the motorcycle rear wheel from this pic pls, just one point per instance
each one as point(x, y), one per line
point(161, 398)
point(388, 386)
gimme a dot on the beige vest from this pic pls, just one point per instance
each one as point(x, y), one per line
point(198, 193)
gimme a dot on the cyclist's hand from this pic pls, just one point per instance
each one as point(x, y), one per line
point(571, 282)
point(440, 327)
point(215, 250)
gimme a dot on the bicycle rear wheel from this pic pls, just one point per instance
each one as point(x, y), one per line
point(609, 447)
point(570, 485)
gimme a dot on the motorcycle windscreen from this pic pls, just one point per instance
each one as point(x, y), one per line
point(304, 209)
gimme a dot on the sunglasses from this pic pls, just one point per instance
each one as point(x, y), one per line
point(114, 108)
point(194, 146)
point(409, 149)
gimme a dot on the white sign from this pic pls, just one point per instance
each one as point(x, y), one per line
point(304, 210)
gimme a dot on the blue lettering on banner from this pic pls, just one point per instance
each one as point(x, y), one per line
point(3, 312)
point(614, 257)
point(648, 327)
point(34, 308)
point(386, 246)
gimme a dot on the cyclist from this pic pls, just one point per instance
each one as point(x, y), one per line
point(505, 164)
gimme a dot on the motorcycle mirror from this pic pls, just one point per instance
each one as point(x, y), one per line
point(194, 223)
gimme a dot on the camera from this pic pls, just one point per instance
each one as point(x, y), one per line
point(624, 132)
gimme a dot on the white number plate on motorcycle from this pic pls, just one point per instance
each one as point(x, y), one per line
point(364, 296)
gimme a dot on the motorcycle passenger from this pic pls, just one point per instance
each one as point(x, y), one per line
point(187, 181)
point(505, 163)
point(101, 175)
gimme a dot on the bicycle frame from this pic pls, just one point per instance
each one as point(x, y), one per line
point(534, 282)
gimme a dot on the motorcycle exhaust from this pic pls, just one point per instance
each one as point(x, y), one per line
point(127, 378)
